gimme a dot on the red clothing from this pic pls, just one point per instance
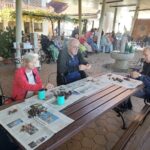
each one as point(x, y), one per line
point(21, 85)
point(82, 40)
point(88, 34)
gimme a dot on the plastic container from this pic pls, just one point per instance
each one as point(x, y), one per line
point(60, 100)
point(42, 94)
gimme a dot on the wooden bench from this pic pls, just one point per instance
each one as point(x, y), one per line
point(125, 138)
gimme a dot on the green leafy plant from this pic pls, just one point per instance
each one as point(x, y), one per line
point(7, 38)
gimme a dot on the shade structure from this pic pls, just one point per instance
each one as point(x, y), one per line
point(58, 6)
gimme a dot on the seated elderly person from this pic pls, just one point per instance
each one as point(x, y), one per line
point(27, 80)
point(144, 76)
point(70, 64)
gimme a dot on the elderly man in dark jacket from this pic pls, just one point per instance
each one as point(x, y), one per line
point(70, 64)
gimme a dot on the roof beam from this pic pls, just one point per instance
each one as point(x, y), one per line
point(115, 1)
point(126, 5)
point(145, 9)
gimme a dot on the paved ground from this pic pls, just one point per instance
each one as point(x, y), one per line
point(141, 138)
point(104, 131)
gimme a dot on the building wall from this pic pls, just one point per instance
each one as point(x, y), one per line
point(10, 1)
point(141, 28)
point(37, 3)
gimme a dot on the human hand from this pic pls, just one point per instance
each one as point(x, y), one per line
point(82, 67)
point(135, 74)
point(88, 66)
point(49, 86)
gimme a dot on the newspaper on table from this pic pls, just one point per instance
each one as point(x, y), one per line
point(79, 90)
point(121, 80)
point(88, 86)
point(32, 132)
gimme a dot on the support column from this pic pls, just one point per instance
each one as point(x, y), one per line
point(135, 16)
point(101, 20)
point(18, 30)
point(31, 25)
point(58, 27)
point(115, 17)
point(93, 24)
point(80, 16)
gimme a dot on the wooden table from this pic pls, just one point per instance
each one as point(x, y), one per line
point(86, 110)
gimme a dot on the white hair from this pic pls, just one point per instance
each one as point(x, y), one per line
point(72, 40)
point(29, 57)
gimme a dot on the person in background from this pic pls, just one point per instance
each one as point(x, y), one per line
point(70, 64)
point(109, 46)
point(53, 50)
point(103, 42)
point(27, 80)
point(96, 32)
point(58, 42)
point(114, 41)
point(76, 36)
point(75, 31)
point(92, 41)
point(82, 48)
point(83, 42)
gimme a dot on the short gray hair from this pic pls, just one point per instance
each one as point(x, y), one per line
point(71, 40)
point(29, 57)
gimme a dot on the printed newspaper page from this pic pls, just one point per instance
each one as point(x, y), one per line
point(121, 80)
point(78, 90)
point(50, 118)
point(30, 131)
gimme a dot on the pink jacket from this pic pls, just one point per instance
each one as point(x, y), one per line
point(21, 85)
